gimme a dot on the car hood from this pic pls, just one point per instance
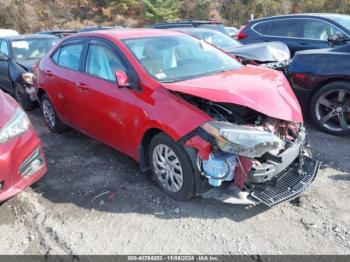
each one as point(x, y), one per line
point(27, 64)
point(262, 52)
point(7, 109)
point(263, 90)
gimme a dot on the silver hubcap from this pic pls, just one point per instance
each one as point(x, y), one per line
point(167, 168)
point(333, 110)
point(48, 113)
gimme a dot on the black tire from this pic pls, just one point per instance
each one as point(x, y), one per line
point(23, 98)
point(187, 189)
point(53, 122)
point(330, 90)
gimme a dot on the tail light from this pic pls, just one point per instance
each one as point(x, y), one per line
point(241, 35)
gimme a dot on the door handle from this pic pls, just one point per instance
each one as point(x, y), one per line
point(48, 73)
point(82, 86)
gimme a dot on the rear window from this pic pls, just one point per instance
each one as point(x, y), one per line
point(68, 56)
point(262, 28)
point(285, 28)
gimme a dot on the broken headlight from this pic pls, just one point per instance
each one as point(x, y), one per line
point(241, 140)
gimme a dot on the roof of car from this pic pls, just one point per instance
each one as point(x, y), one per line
point(194, 29)
point(128, 33)
point(29, 36)
point(318, 15)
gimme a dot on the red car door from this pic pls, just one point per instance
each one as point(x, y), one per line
point(102, 104)
point(63, 77)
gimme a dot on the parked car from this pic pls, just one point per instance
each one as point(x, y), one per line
point(231, 31)
point(191, 23)
point(59, 32)
point(299, 32)
point(22, 160)
point(321, 80)
point(274, 55)
point(17, 56)
point(8, 32)
point(98, 27)
point(181, 107)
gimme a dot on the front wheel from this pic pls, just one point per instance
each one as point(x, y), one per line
point(23, 98)
point(171, 167)
point(330, 108)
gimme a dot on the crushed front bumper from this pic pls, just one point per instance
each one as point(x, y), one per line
point(288, 185)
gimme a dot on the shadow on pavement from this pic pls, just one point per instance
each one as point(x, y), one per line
point(90, 175)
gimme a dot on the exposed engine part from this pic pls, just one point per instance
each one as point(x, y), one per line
point(219, 167)
point(282, 66)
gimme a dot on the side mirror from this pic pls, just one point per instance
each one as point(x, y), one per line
point(122, 79)
point(3, 57)
point(337, 39)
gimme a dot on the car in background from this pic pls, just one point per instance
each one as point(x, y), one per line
point(274, 55)
point(59, 33)
point(321, 80)
point(182, 108)
point(98, 27)
point(299, 31)
point(191, 23)
point(231, 31)
point(17, 57)
point(8, 32)
point(22, 160)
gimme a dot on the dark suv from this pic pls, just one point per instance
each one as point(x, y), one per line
point(191, 23)
point(299, 32)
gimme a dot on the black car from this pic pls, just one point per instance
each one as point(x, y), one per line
point(191, 23)
point(299, 32)
point(17, 56)
point(58, 32)
point(321, 80)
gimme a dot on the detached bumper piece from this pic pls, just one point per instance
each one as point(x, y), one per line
point(288, 185)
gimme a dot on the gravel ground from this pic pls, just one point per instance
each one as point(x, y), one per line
point(94, 200)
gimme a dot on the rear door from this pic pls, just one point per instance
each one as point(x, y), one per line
point(5, 81)
point(63, 76)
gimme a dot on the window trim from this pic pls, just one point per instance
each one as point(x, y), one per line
point(74, 41)
point(130, 71)
point(299, 18)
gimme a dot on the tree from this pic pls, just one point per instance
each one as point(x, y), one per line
point(161, 10)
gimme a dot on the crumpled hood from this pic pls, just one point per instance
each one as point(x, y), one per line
point(263, 90)
point(262, 52)
point(27, 64)
point(7, 109)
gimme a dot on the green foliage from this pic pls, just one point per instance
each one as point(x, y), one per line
point(161, 10)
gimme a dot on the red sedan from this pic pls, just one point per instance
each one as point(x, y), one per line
point(21, 156)
point(182, 108)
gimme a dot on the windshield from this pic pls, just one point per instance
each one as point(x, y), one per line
point(342, 20)
point(216, 38)
point(32, 48)
point(176, 58)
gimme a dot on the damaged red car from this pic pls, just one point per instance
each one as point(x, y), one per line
point(193, 115)
point(22, 159)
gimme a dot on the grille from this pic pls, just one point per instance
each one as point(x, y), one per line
point(288, 185)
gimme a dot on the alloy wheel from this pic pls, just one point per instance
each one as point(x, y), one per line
point(333, 110)
point(48, 113)
point(167, 168)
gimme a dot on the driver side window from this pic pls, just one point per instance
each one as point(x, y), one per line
point(318, 30)
point(4, 48)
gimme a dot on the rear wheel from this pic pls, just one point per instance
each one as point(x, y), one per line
point(50, 116)
point(171, 167)
point(330, 108)
point(23, 98)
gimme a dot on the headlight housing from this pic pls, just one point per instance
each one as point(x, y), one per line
point(244, 141)
point(28, 78)
point(18, 125)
